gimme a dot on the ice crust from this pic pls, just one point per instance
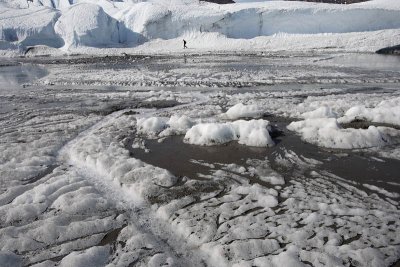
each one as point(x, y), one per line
point(74, 192)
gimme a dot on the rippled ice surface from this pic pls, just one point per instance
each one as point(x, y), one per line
point(82, 184)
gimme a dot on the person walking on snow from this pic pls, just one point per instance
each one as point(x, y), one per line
point(184, 44)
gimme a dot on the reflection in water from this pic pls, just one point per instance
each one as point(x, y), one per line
point(15, 76)
point(368, 61)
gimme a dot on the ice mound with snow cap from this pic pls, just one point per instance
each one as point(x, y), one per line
point(387, 111)
point(153, 127)
point(93, 28)
point(327, 132)
point(250, 133)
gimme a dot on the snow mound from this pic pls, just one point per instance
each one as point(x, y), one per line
point(243, 111)
point(153, 127)
point(387, 111)
point(177, 125)
point(29, 26)
point(327, 132)
point(94, 28)
point(250, 133)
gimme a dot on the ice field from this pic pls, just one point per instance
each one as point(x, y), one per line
point(292, 174)
point(272, 140)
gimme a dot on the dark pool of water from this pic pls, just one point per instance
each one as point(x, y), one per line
point(175, 155)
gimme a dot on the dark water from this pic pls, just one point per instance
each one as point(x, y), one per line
point(175, 155)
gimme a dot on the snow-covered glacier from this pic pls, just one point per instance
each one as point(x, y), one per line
point(86, 23)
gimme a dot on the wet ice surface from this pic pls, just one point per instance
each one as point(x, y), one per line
point(221, 71)
point(107, 175)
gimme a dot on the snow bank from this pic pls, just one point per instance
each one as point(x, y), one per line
point(242, 111)
point(250, 133)
point(94, 28)
point(327, 132)
point(387, 111)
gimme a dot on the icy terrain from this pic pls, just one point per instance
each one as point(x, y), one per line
point(95, 173)
point(87, 26)
point(273, 140)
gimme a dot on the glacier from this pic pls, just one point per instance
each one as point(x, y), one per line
point(142, 26)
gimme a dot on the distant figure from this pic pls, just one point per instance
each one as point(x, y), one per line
point(29, 1)
point(184, 44)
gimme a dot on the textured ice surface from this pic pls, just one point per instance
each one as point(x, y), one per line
point(228, 71)
point(74, 191)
